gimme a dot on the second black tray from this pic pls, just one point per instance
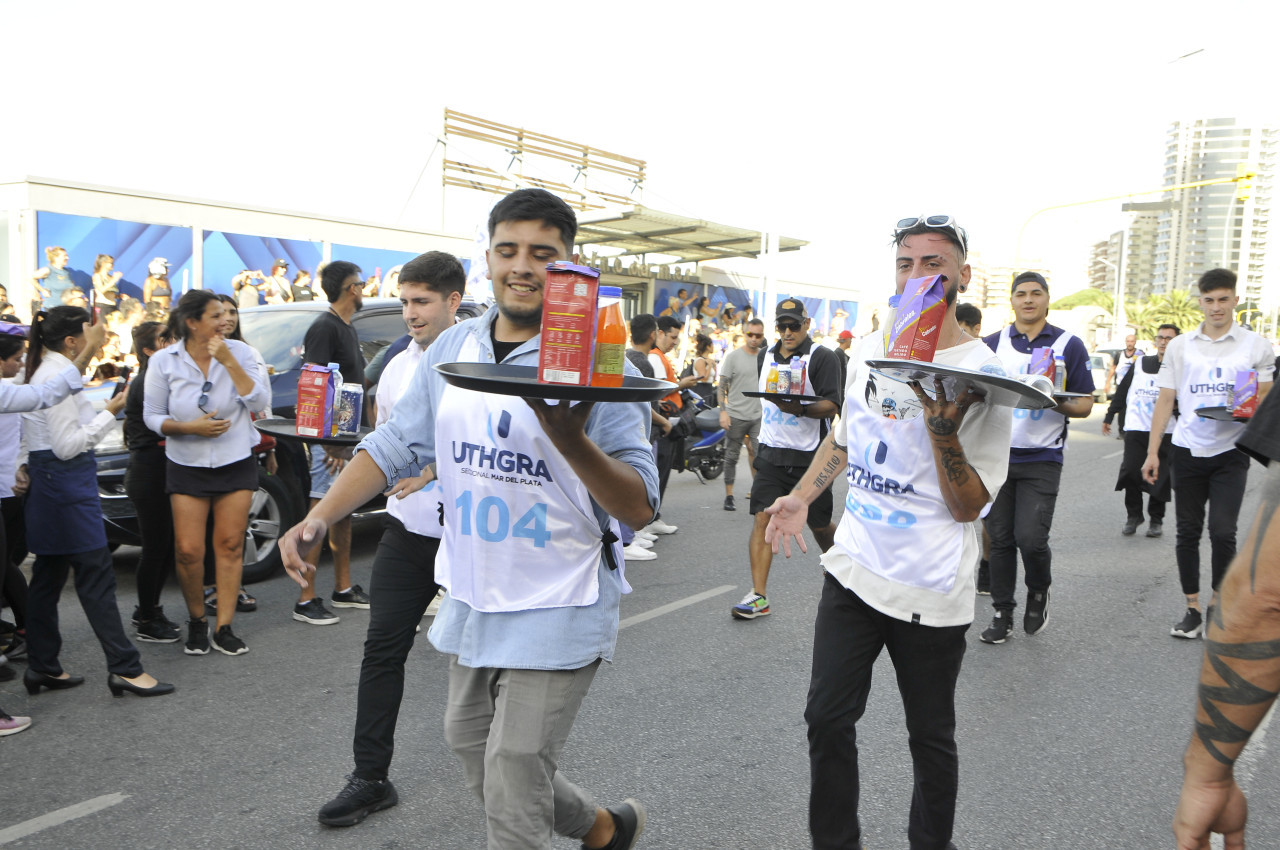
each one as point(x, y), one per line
point(505, 379)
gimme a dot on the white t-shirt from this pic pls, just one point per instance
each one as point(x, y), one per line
point(1199, 369)
point(420, 512)
point(929, 594)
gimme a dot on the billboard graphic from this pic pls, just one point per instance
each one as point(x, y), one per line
point(132, 243)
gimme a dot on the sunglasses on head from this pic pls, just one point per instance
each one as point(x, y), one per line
point(938, 222)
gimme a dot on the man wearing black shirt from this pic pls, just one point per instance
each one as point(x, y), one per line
point(332, 339)
point(790, 433)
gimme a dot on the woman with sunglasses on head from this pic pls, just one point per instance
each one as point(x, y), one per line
point(200, 396)
point(64, 518)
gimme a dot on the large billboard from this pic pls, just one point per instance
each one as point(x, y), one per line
point(133, 245)
point(228, 254)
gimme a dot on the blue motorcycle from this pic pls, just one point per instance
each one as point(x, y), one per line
point(702, 451)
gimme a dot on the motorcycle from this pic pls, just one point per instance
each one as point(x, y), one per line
point(702, 451)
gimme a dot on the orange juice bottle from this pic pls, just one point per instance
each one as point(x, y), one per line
point(611, 339)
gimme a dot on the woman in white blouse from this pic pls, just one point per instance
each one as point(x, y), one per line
point(200, 396)
point(64, 518)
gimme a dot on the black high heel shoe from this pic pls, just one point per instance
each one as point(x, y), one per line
point(35, 681)
point(118, 685)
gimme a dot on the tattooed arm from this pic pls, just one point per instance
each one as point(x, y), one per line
point(1238, 681)
point(787, 514)
point(962, 487)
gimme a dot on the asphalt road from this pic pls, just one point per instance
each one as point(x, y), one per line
point(1072, 738)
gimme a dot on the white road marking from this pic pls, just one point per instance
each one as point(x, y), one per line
point(61, 816)
point(675, 606)
point(1113, 454)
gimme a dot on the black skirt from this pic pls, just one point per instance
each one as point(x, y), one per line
point(203, 482)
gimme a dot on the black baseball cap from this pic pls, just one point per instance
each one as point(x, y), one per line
point(791, 308)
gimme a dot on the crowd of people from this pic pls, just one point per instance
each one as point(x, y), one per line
point(527, 611)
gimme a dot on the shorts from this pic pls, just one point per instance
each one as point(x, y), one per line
point(321, 477)
point(773, 482)
point(203, 482)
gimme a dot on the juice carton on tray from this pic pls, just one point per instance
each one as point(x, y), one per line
point(568, 324)
point(315, 401)
point(1246, 394)
point(914, 334)
point(1043, 363)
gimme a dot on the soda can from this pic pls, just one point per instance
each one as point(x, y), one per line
point(351, 402)
point(784, 379)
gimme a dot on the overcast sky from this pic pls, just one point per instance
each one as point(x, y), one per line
point(826, 122)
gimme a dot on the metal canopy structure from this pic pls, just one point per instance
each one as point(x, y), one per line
point(641, 230)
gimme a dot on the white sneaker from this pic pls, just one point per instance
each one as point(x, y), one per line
point(635, 553)
point(434, 607)
point(646, 535)
point(642, 542)
point(660, 527)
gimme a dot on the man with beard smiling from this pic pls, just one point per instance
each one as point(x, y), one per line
point(402, 582)
point(529, 557)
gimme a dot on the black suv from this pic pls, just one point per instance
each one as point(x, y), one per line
point(282, 499)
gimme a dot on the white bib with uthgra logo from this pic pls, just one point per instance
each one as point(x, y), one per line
point(1140, 403)
point(780, 429)
point(520, 532)
point(1033, 429)
point(1204, 384)
point(895, 521)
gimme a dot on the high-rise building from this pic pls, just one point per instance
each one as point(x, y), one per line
point(1139, 249)
point(1208, 226)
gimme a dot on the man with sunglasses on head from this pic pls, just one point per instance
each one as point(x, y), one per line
point(1135, 401)
point(1019, 520)
point(790, 433)
point(739, 415)
point(901, 573)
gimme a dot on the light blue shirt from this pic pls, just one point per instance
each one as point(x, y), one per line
point(542, 639)
point(24, 398)
point(173, 391)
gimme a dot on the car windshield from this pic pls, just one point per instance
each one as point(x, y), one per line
point(277, 335)
point(1097, 362)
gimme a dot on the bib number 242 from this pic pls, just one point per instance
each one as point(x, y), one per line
point(490, 520)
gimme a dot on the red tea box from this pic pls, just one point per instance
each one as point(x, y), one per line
point(914, 334)
point(568, 324)
point(315, 401)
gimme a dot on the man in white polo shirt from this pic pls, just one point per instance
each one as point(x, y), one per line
point(1207, 467)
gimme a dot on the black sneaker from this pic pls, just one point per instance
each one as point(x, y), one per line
point(1155, 528)
point(157, 630)
point(361, 798)
point(1130, 526)
point(628, 820)
point(984, 578)
point(1000, 629)
point(1036, 617)
point(314, 612)
point(225, 641)
point(1191, 626)
point(13, 647)
point(7, 673)
point(728, 503)
point(197, 637)
point(352, 597)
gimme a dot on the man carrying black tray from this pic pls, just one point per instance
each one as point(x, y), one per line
point(901, 573)
point(530, 558)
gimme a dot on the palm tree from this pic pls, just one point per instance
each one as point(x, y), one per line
point(1176, 307)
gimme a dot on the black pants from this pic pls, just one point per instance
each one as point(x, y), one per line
point(144, 484)
point(96, 587)
point(1019, 521)
point(13, 549)
point(401, 587)
point(1220, 481)
point(848, 637)
point(1130, 478)
point(664, 455)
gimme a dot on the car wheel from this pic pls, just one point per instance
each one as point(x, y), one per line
point(271, 513)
